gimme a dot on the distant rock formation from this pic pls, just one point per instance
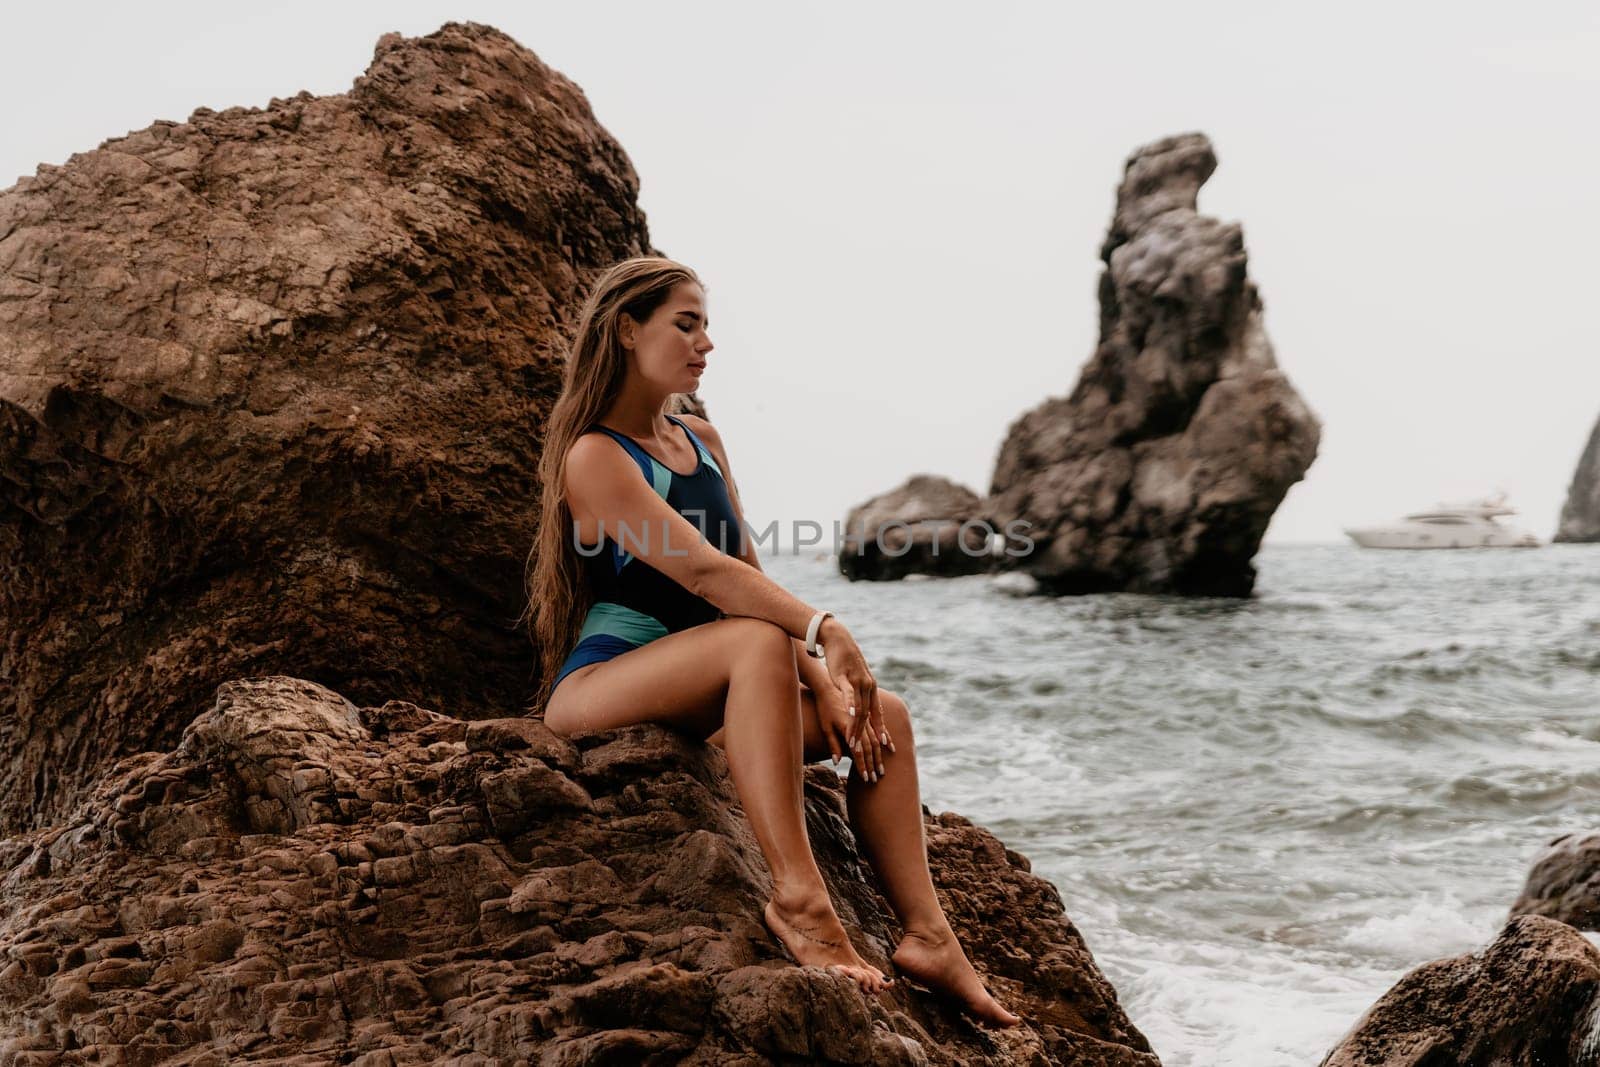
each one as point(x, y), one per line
point(916, 529)
point(304, 878)
point(272, 385)
point(1564, 882)
point(1528, 1000)
point(271, 390)
point(1162, 469)
point(1580, 516)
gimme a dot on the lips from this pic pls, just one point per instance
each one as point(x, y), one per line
point(697, 366)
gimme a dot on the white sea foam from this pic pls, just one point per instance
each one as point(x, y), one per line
point(1428, 929)
point(1258, 816)
point(1204, 1006)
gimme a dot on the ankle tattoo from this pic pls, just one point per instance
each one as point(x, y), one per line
point(830, 942)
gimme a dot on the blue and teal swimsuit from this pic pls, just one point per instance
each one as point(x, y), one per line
point(633, 602)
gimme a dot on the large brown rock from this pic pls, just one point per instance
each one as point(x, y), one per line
point(1580, 515)
point(1564, 882)
point(1161, 470)
point(1528, 1000)
point(271, 389)
point(389, 885)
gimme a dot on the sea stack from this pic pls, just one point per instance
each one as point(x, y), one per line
point(1580, 516)
point(1159, 472)
point(272, 390)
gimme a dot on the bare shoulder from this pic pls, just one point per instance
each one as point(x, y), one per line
point(595, 458)
point(703, 428)
point(707, 433)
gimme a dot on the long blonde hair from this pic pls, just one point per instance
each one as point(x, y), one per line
point(557, 587)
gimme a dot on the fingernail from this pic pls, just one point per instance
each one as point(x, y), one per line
point(852, 713)
point(885, 737)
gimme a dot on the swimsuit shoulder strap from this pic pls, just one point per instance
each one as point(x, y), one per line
point(705, 453)
point(659, 477)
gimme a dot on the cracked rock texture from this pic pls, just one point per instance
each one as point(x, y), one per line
point(1528, 1000)
point(1161, 470)
point(306, 881)
point(271, 388)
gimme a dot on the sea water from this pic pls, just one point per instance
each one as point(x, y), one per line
point(1260, 813)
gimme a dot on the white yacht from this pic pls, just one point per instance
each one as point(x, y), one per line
point(1468, 524)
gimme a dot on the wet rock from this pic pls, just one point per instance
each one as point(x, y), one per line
point(929, 525)
point(1564, 882)
point(1528, 1000)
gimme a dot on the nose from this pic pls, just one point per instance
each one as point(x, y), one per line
point(704, 346)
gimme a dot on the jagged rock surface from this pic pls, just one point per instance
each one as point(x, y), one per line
point(915, 529)
point(271, 389)
point(389, 885)
point(1564, 882)
point(1580, 515)
point(1528, 1000)
point(1162, 469)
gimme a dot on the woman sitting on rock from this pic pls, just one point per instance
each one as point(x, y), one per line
point(643, 615)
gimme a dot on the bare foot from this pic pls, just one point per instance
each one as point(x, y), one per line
point(938, 963)
point(812, 933)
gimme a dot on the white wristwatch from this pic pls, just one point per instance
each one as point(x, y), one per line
point(811, 634)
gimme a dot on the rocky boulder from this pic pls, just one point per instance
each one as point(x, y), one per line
point(929, 525)
point(272, 382)
point(1528, 1000)
point(1564, 882)
point(301, 877)
point(1580, 516)
point(1162, 468)
point(271, 390)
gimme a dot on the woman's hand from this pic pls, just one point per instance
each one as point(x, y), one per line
point(836, 713)
point(865, 734)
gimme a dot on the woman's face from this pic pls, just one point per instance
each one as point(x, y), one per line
point(669, 348)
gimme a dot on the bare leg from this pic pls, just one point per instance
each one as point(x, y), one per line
point(887, 817)
point(738, 673)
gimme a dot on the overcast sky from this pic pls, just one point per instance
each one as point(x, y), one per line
point(898, 208)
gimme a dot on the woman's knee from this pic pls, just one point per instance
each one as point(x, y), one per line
point(896, 715)
point(759, 639)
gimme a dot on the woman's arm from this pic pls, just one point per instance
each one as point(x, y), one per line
point(606, 494)
point(842, 682)
point(812, 672)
